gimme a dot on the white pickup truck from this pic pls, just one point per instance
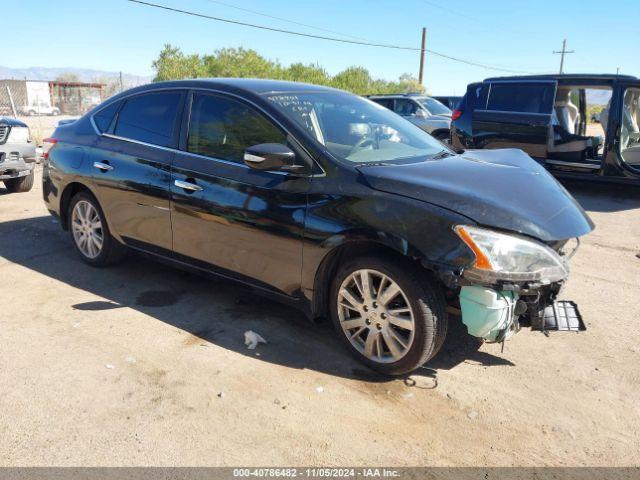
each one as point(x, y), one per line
point(41, 108)
point(17, 155)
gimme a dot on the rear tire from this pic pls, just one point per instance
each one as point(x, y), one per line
point(90, 233)
point(406, 329)
point(20, 185)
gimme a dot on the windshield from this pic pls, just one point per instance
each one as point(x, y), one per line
point(434, 106)
point(355, 129)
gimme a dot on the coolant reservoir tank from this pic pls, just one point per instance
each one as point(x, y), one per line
point(486, 312)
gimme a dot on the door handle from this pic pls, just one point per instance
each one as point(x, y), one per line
point(187, 185)
point(105, 167)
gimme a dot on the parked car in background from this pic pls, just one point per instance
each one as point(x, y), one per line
point(425, 112)
point(546, 117)
point(41, 108)
point(449, 102)
point(321, 199)
point(17, 155)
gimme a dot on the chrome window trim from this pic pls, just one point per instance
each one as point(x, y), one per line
point(209, 90)
point(204, 157)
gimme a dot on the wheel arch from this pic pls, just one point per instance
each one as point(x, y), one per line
point(354, 245)
point(65, 199)
point(440, 131)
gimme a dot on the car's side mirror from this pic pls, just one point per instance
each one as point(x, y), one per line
point(420, 113)
point(270, 156)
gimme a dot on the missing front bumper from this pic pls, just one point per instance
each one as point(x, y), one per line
point(495, 315)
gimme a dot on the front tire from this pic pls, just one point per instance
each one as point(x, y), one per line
point(20, 185)
point(391, 315)
point(90, 232)
point(443, 136)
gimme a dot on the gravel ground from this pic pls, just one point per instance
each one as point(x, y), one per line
point(141, 364)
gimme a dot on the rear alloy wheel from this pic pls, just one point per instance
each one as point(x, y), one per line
point(392, 317)
point(90, 232)
point(87, 230)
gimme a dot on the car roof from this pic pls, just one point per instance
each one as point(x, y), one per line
point(570, 77)
point(396, 95)
point(12, 122)
point(251, 85)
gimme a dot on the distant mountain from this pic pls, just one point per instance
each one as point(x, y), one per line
point(84, 74)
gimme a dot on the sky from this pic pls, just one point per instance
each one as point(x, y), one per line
point(117, 35)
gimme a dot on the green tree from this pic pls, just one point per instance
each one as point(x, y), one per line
point(239, 62)
point(172, 63)
point(299, 72)
point(355, 79)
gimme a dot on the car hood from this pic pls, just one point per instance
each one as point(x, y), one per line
point(12, 122)
point(504, 189)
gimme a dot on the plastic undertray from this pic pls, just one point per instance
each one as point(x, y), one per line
point(562, 316)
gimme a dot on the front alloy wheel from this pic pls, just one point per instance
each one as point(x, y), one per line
point(376, 316)
point(390, 313)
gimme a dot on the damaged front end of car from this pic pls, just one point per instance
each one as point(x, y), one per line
point(514, 281)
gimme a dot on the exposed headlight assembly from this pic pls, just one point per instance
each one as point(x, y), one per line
point(510, 258)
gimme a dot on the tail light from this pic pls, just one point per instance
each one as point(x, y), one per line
point(457, 113)
point(47, 145)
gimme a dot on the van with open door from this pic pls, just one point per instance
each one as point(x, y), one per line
point(551, 118)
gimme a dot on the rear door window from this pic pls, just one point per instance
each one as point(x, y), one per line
point(149, 118)
point(523, 97)
point(223, 128)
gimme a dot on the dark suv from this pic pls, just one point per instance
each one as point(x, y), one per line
point(550, 118)
point(321, 199)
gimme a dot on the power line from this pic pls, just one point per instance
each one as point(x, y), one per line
point(322, 37)
point(293, 22)
point(482, 65)
point(272, 29)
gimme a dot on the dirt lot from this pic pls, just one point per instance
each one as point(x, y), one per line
point(141, 364)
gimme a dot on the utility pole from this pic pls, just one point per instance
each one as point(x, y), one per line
point(422, 48)
point(121, 86)
point(562, 54)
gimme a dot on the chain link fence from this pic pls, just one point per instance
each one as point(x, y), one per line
point(42, 104)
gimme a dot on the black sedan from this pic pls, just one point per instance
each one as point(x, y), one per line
point(319, 198)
